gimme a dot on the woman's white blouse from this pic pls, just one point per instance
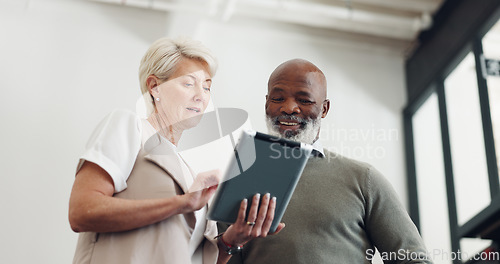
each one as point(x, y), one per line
point(114, 146)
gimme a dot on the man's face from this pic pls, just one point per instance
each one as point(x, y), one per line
point(295, 103)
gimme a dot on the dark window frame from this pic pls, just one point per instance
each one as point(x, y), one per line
point(418, 94)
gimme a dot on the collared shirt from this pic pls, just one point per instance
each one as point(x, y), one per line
point(317, 149)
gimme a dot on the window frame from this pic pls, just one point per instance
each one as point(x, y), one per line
point(472, 227)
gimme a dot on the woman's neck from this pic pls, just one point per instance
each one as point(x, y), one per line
point(169, 131)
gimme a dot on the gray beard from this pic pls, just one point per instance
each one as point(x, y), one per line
point(307, 134)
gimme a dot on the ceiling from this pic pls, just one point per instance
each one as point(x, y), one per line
point(392, 19)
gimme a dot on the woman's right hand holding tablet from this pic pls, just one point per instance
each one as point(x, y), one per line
point(203, 188)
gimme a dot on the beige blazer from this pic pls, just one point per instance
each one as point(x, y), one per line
point(155, 174)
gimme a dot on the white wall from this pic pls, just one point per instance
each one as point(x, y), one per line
point(65, 64)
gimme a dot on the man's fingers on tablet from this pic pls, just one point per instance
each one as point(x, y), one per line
point(269, 217)
point(279, 228)
point(257, 230)
point(252, 214)
point(264, 205)
point(243, 211)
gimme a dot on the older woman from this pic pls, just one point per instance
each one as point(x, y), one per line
point(137, 202)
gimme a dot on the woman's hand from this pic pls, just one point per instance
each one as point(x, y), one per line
point(257, 224)
point(202, 189)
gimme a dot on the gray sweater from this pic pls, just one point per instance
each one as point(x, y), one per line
point(340, 210)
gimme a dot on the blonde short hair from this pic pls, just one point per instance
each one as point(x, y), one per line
point(162, 58)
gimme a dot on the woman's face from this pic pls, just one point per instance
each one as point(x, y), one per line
point(185, 95)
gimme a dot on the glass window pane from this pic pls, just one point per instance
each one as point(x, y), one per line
point(467, 148)
point(467, 142)
point(472, 246)
point(491, 50)
point(433, 205)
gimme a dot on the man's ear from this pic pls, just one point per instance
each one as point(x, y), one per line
point(326, 107)
point(152, 83)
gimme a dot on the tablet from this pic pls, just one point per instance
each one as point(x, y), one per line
point(262, 164)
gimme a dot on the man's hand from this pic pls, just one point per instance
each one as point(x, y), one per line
point(257, 224)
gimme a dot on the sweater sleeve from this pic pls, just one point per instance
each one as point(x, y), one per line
point(388, 224)
point(114, 146)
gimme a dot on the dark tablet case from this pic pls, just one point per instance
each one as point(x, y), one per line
point(276, 170)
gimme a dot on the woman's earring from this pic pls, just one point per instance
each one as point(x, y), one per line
point(157, 99)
